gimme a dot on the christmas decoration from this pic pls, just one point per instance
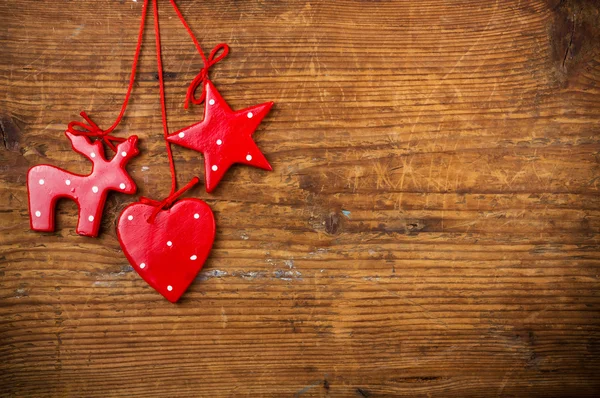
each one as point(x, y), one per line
point(46, 184)
point(224, 136)
point(166, 241)
point(168, 247)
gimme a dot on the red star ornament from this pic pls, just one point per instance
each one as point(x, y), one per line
point(224, 136)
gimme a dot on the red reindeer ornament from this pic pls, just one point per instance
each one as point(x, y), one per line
point(46, 184)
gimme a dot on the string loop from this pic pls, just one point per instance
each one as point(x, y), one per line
point(202, 77)
point(168, 201)
point(91, 129)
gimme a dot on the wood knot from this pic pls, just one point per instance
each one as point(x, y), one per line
point(361, 392)
point(575, 31)
point(166, 75)
point(414, 227)
point(10, 133)
point(332, 223)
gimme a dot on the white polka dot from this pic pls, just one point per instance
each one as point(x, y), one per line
point(122, 186)
point(91, 218)
point(248, 157)
point(219, 142)
point(143, 265)
point(95, 189)
point(250, 114)
point(68, 182)
point(41, 182)
point(196, 216)
point(193, 257)
point(214, 167)
point(130, 218)
point(169, 288)
point(38, 213)
point(169, 243)
point(123, 153)
point(212, 102)
point(181, 135)
point(93, 154)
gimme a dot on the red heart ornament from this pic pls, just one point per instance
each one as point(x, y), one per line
point(169, 252)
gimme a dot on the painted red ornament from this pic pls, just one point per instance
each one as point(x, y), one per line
point(224, 136)
point(167, 243)
point(46, 184)
point(168, 247)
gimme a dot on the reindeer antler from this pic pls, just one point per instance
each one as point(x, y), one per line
point(91, 129)
point(127, 149)
point(82, 144)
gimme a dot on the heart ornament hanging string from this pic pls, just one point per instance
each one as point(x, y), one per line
point(168, 241)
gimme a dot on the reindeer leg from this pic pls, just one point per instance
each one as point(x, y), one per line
point(90, 216)
point(41, 204)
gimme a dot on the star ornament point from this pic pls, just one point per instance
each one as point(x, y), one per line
point(224, 136)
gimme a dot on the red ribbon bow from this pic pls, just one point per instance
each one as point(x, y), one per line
point(91, 129)
point(202, 77)
point(159, 205)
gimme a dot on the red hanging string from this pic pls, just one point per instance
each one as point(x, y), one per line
point(91, 129)
point(174, 194)
point(202, 76)
point(161, 84)
point(168, 201)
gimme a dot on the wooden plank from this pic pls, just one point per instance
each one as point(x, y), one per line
point(431, 226)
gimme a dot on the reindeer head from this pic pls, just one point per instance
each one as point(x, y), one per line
point(113, 171)
point(125, 151)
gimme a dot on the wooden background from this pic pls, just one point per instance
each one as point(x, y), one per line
point(431, 226)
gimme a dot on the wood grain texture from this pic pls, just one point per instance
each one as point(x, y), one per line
point(431, 226)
